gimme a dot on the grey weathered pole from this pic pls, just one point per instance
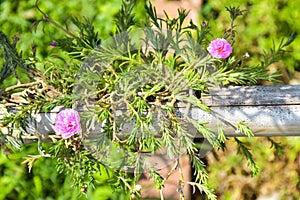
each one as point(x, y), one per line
point(267, 110)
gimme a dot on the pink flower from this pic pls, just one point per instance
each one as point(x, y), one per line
point(67, 123)
point(53, 44)
point(219, 48)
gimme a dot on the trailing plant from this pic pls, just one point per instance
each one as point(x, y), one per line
point(123, 95)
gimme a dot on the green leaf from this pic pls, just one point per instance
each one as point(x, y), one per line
point(243, 128)
point(194, 101)
point(279, 150)
point(248, 155)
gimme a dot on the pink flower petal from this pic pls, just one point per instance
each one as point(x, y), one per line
point(219, 48)
point(67, 123)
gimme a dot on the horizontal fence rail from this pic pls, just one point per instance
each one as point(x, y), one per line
point(267, 110)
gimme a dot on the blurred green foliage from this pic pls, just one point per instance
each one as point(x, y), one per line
point(44, 182)
point(262, 23)
point(17, 18)
point(279, 170)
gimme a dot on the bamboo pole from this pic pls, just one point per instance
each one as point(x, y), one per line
point(267, 110)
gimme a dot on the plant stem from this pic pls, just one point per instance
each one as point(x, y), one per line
point(46, 18)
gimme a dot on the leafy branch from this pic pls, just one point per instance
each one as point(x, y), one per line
point(277, 53)
point(248, 155)
point(12, 57)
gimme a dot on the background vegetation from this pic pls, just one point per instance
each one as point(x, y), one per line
point(262, 22)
